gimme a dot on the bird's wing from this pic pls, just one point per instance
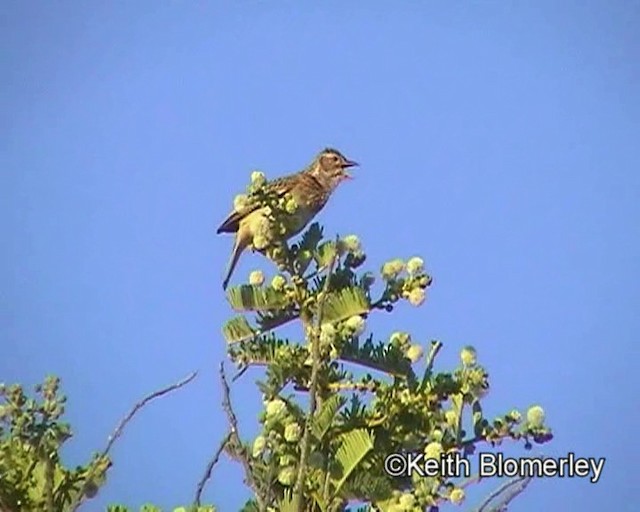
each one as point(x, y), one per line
point(280, 186)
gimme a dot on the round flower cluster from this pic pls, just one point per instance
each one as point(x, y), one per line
point(410, 286)
point(391, 269)
point(274, 407)
point(415, 266)
point(433, 450)
point(414, 353)
point(259, 444)
point(355, 325)
point(240, 202)
point(535, 416)
point(351, 243)
point(256, 278)
point(400, 339)
point(262, 232)
point(327, 334)
point(468, 356)
point(258, 179)
point(278, 282)
point(287, 476)
point(292, 432)
point(457, 496)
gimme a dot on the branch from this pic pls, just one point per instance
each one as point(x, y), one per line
point(508, 491)
point(156, 394)
point(123, 423)
point(237, 451)
point(209, 469)
point(305, 445)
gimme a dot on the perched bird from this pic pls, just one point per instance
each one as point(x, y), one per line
point(310, 188)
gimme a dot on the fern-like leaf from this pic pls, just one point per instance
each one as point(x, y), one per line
point(237, 329)
point(355, 445)
point(342, 304)
point(287, 503)
point(311, 237)
point(250, 506)
point(325, 416)
point(325, 253)
point(370, 484)
point(255, 298)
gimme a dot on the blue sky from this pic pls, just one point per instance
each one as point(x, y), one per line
point(498, 140)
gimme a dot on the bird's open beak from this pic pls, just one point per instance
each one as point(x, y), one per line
point(345, 165)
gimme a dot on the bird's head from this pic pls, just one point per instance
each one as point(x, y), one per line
point(331, 166)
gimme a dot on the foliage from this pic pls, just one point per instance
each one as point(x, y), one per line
point(32, 474)
point(153, 508)
point(337, 402)
point(367, 398)
point(31, 436)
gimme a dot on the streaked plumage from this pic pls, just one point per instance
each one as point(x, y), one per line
point(311, 189)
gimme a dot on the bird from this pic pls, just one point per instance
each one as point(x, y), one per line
point(311, 188)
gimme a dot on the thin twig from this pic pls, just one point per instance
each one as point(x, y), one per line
point(237, 451)
point(156, 394)
point(123, 423)
point(522, 481)
point(241, 372)
point(305, 445)
point(207, 473)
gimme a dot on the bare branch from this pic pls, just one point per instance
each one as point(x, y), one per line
point(207, 473)
point(241, 372)
point(234, 445)
point(123, 423)
point(507, 492)
point(156, 394)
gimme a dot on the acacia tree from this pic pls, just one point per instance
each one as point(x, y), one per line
point(338, 401)
point(366, 398)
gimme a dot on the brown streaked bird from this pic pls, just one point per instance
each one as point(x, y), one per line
point(311, 189)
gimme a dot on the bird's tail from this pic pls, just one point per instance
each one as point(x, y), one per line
point(238, 246)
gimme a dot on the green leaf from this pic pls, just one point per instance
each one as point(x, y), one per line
point(354, 447)
point(325, 253)
point(457, 401)
point(149, 508)
point(324, 418)
point(194, 508)
point(478, 419)
point(254, 298)
point(287, 504)
point(311, 237)
point(237, 329)
point(369, 484)
point(342, 304)
point(250, 506)
point(272, 319)
point(386, 505)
